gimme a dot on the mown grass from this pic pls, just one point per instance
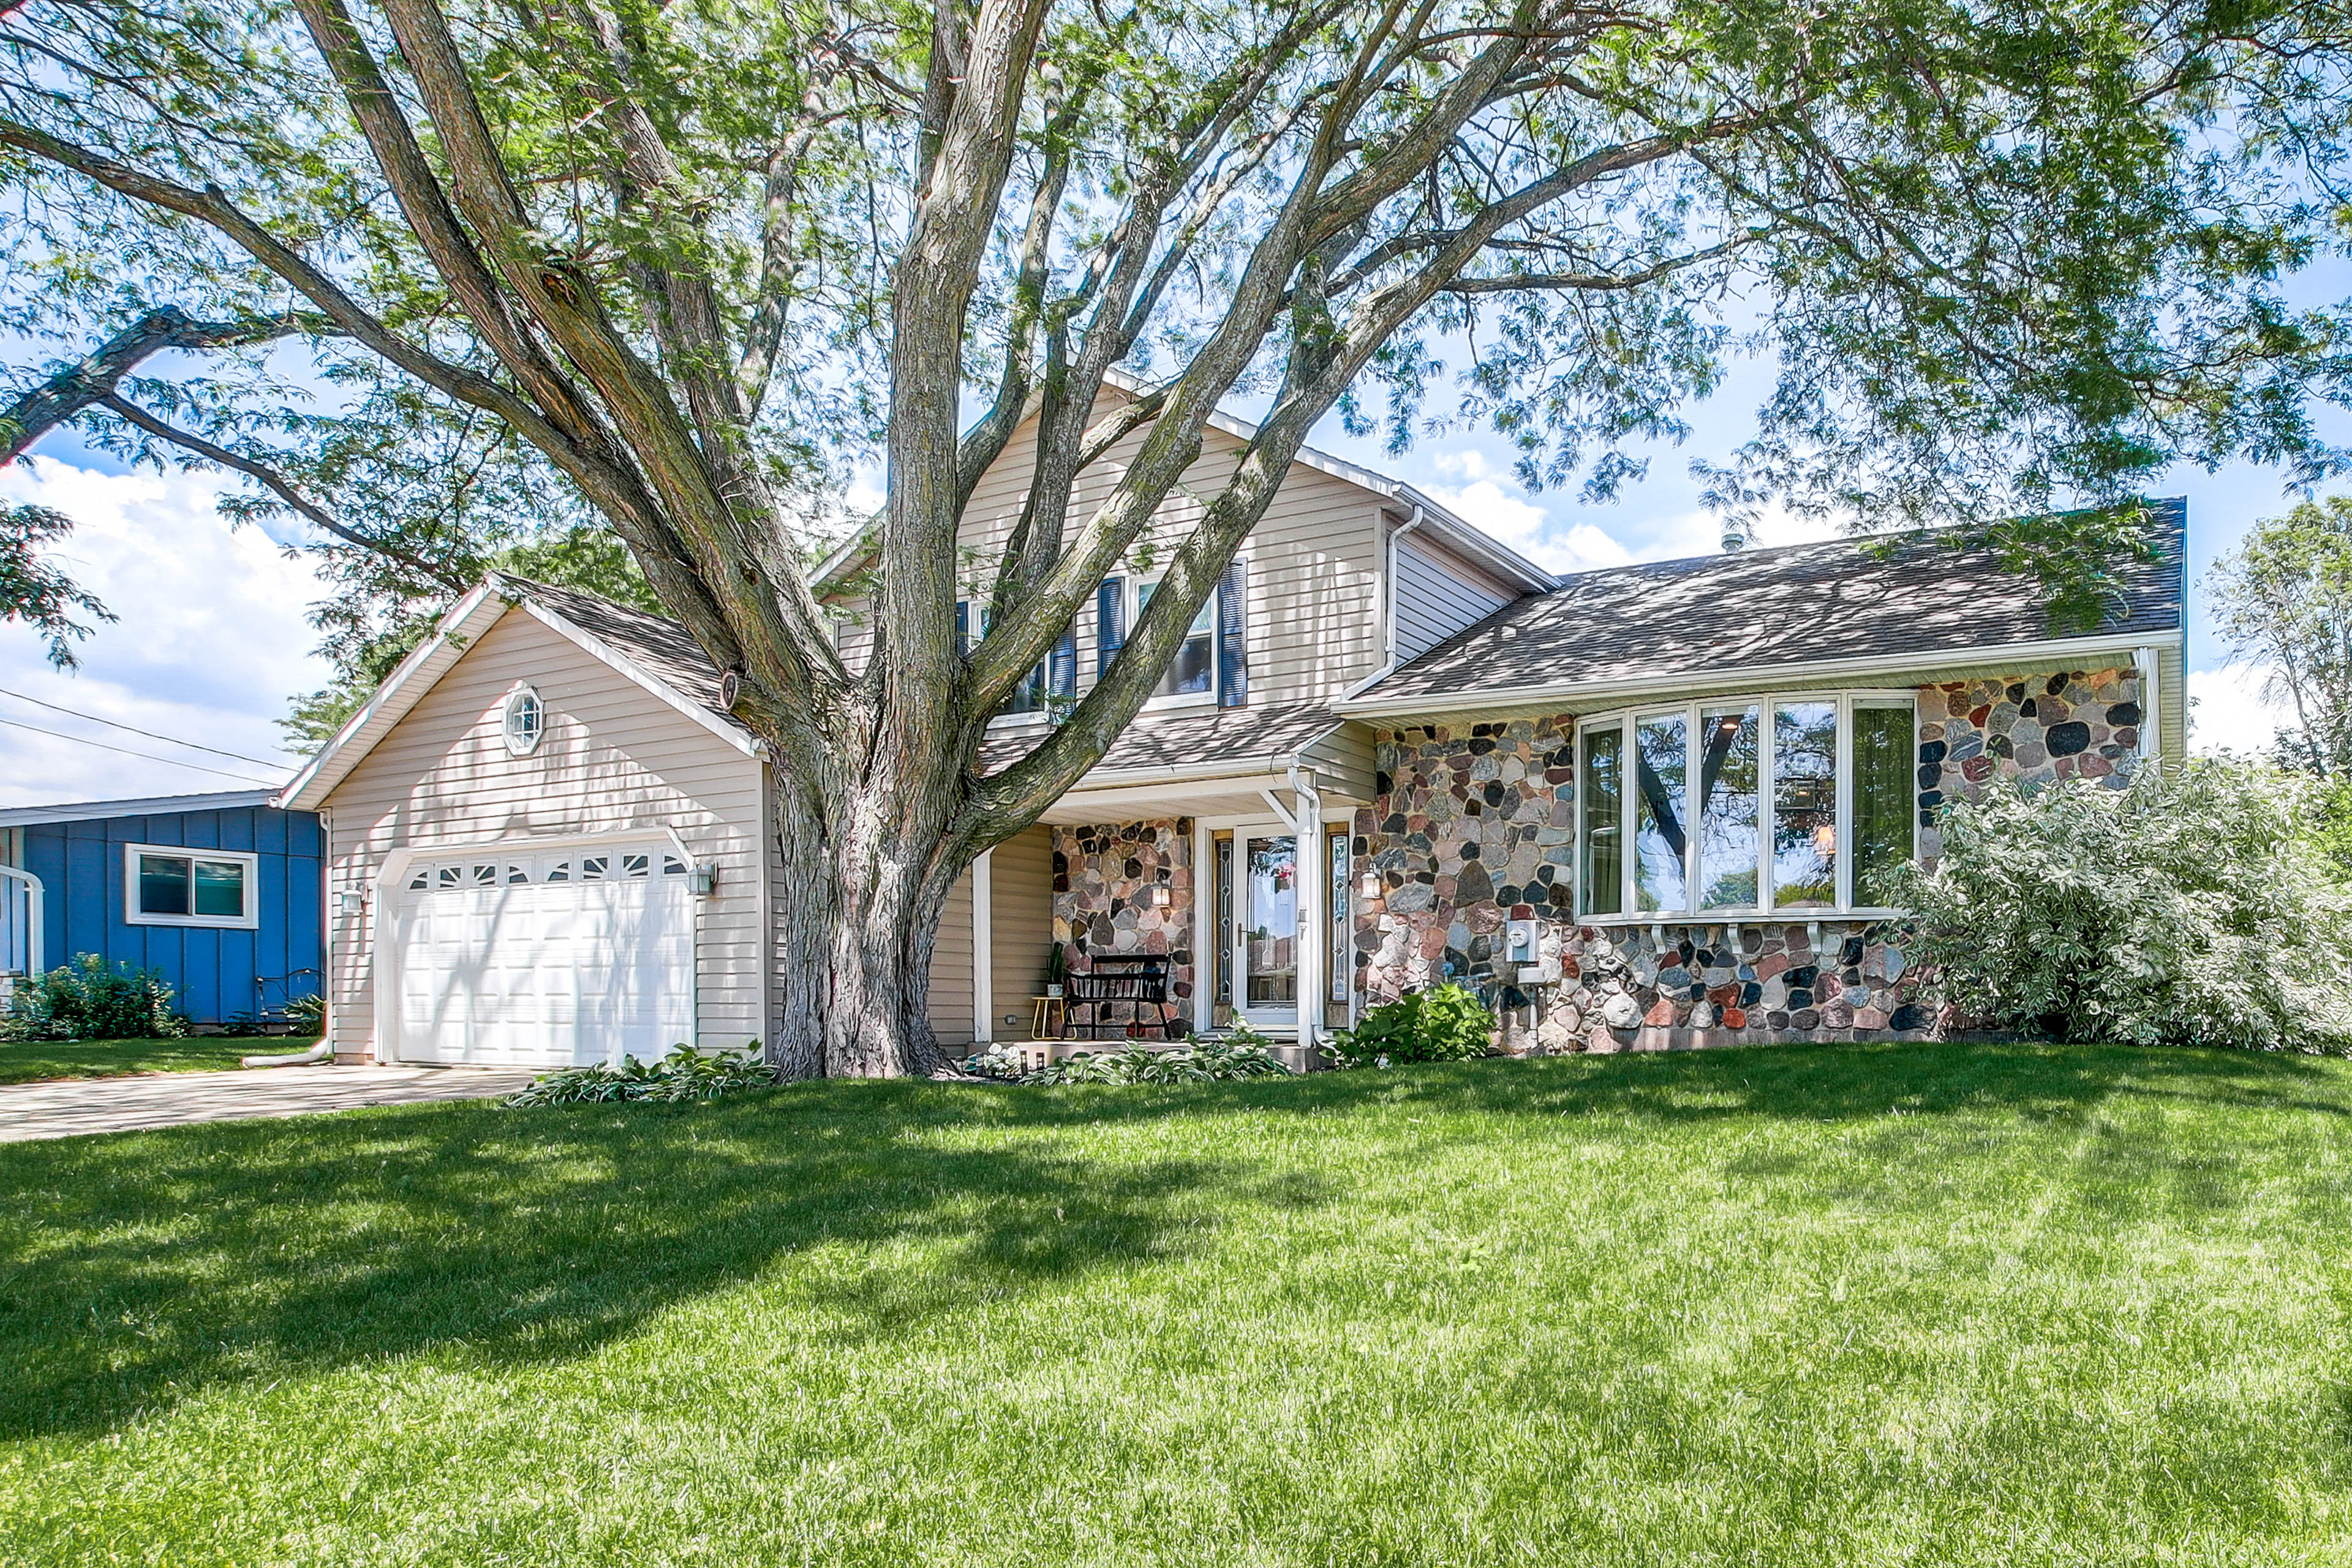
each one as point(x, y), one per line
point(1846, 1305)
point(29, 1061)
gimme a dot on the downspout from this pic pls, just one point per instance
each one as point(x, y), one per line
point(694, 939)
point(1389, 668)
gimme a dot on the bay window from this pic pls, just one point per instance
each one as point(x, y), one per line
point(1745, 806)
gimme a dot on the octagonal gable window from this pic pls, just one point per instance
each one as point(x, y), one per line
point(526, 721)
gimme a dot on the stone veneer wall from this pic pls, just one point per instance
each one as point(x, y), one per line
point(1103, 875)
point(2055, 725)
point(1475, 828)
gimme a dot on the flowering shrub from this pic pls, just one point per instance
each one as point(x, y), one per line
point(1439, 1024)
point(683, 1074)
point(2195, 908)
point(91, 1000)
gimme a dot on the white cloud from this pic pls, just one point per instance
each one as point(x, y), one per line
point(1522, 525)
point(209, 644)
point(2227, 712)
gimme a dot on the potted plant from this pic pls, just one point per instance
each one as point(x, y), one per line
point(1055, 966)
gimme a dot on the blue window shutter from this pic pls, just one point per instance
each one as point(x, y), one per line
point(1110, 624)
point(964, 627)
point(1233, 638)
point(1062, 666)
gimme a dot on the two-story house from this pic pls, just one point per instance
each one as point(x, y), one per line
point(1648, 805)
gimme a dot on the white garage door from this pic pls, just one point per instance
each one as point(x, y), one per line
point(546, 960)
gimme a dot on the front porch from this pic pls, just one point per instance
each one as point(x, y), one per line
point(1216, 891)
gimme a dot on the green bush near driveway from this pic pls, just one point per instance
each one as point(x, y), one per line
point(1804, 1306)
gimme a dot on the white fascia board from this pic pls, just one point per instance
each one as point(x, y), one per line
point(149, 806)
point(1200, 773)
point(644, 679)
point(1575, 694)
point(852, 552)
point(401, 690)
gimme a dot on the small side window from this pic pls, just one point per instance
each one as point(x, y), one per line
point(517, 874)
point(447, 878)
point(635, 865)
point(486, 875)
point(591, 868)
point(559, 872)
point(419, 882)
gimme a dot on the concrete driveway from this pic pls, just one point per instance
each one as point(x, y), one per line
point(70, 1108)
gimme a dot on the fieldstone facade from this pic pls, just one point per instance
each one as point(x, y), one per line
point(1475, 828)
point(2038, 727)
point(1104, 881)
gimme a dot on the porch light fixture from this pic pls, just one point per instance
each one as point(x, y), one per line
point(1159, 894)
point(1371, 884)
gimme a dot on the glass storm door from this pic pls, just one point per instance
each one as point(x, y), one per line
point(1267, 938)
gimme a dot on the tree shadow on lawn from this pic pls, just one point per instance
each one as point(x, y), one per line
point(136, 1271)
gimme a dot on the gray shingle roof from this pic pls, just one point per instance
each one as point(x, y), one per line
point(664, 648)
point(1239, 736)
point(1795, 605)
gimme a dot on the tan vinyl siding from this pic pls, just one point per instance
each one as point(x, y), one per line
point(1021, 925)
point(1343, 764)
point(614, 758)
point(952, 993)
point(2171, 705)
point(1437, 595)
point(1313, 620)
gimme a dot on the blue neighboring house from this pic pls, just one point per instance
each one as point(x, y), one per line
point(223, 893)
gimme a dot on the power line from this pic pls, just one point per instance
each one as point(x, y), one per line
point(148, 756)
point(133, 728)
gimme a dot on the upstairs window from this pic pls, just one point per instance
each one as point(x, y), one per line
point(1745, 806)
point(165, 886)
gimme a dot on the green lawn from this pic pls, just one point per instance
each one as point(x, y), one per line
point(30, 1060)
point(1845, 1305)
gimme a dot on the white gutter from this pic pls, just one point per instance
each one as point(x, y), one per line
point(1593, 694)
point(2150, 713)
point(1385, 670)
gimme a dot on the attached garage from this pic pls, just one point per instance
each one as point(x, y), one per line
point(509, 957)
point(544, 846)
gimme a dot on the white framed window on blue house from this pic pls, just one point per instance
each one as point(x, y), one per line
point(167, 885)
point(1798, 803)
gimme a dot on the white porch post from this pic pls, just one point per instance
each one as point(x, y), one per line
point(1204, 928)
point(1307, 817)
point(983, 953)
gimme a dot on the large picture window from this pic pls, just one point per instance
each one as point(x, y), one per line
point(1745, 806)
point(170, 886)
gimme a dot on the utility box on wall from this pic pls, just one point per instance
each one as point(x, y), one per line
point(1523, 950)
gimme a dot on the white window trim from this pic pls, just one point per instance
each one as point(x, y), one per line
point(1132, 594)
point(1690, 712)
point(133, 915)
point(506, 721)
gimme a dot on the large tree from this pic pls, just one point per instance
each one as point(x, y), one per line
point(2283, 602)
point(672, 269)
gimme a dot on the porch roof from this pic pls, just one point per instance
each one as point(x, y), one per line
point(1203, 762)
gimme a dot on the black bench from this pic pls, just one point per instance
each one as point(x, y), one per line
point(1138, 981)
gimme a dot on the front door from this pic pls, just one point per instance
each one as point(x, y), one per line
point(1265, 941)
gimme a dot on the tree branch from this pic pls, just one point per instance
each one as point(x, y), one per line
point(284, 490)
point(74, 386)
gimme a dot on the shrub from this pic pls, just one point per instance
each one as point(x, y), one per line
point(2195, 906)
point(1440, 1023)
point(91, 1000)
point(683, 1074)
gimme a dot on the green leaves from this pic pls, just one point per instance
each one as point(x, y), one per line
point(2193, 908)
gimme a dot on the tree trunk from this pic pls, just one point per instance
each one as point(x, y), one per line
point(863, 874)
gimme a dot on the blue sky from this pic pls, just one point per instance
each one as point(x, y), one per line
point(212, 639)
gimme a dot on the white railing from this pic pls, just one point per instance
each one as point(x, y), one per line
point(20, 921)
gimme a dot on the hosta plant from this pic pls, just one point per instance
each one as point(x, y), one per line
point(2195, 906)
point(683, 1074)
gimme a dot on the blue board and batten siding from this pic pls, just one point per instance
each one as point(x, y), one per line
point(215, 973)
